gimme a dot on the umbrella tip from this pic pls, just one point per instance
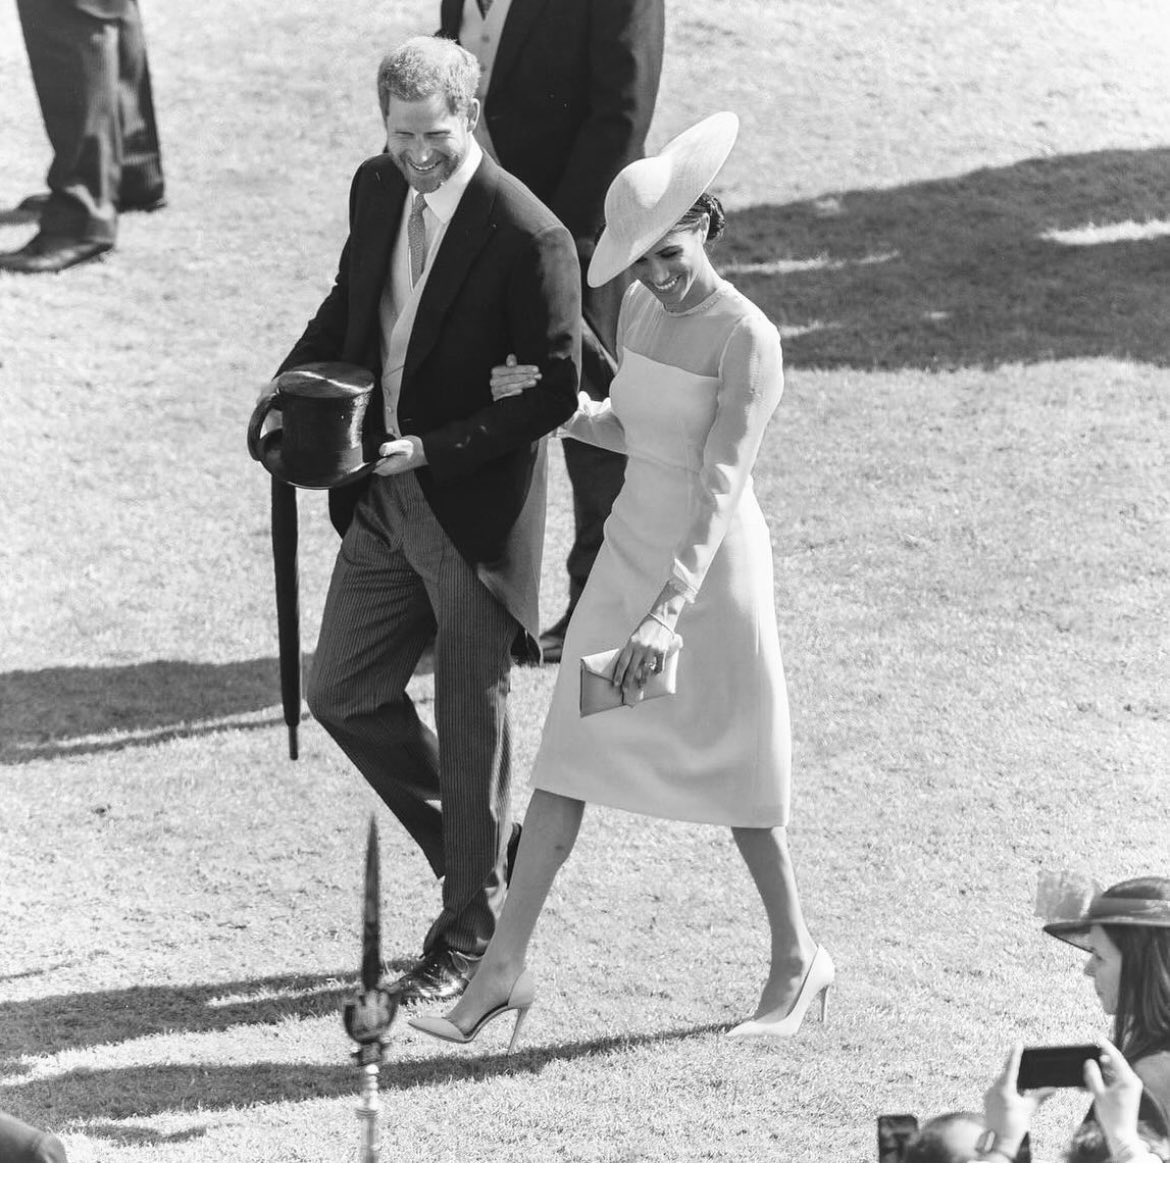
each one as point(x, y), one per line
point(292, 743)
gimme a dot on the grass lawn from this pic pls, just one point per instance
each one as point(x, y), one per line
point(959, 214)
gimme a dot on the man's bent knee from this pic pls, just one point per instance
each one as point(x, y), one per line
point(326, 702)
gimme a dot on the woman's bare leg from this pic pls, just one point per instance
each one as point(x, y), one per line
point(550, 831)
point(765, 850)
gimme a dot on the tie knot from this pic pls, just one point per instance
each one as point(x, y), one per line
point(419, 205)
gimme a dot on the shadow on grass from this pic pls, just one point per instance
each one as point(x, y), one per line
point(49, 1025)
point(1062, 257)
point(129, 1134)
point(55, 712)
point(137, 1092)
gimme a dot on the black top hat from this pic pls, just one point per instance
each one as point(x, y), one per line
point(320, 442)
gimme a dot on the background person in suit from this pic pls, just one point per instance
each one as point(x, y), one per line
point(568, 90)
point(450, 265)
point(88, 60)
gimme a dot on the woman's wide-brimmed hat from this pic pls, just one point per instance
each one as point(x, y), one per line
point(321, 442)
point(1128, 909)
point(648, 197)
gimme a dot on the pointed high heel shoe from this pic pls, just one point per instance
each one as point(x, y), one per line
point(817, 982)
point(519, 1000)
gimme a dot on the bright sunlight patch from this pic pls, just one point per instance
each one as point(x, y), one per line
point(1122, 231)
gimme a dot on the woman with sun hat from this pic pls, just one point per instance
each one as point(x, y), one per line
point(686, 568)
point(1126, 931)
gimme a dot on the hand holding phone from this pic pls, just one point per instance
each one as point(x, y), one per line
point(1117, 1098)
point(1007, 1111)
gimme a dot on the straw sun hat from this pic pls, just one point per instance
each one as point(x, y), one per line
point(648, 197)
point(1127, 908)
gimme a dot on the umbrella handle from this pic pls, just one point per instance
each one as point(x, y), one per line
point(266, 404)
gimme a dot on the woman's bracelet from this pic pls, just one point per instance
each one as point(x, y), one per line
point(658, 619)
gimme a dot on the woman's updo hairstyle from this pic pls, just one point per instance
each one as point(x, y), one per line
point(709, 204)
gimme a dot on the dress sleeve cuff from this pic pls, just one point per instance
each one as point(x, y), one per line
point(678, 582)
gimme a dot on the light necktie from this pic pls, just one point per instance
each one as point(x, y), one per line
point(416, 238)
point(484, 5)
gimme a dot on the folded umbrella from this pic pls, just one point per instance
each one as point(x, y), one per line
point(288, 608)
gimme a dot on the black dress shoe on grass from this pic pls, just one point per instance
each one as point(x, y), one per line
point(36, 202)
point(145, 204)
point(441, 976)
point(47, 253)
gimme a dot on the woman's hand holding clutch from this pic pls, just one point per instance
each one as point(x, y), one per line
point(644, 654)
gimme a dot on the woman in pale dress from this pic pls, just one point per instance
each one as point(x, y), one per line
point(686, 566)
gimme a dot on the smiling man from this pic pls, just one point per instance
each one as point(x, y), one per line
point(451, 264)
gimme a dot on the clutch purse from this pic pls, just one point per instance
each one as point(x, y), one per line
point(598, 693)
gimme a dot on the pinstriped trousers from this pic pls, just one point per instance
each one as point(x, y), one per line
point(397, 581)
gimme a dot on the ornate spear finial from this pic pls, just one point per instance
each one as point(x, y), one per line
point(369, 1016)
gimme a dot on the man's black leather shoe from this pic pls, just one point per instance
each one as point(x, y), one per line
point(47, 253)
point(441, 976)
point(144, 204)
point(36, 202)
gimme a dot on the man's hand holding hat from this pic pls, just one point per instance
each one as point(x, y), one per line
point(400, 455)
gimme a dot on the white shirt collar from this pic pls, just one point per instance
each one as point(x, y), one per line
point(445, 199)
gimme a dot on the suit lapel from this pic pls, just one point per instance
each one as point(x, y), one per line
point(372, 237)
point(469, 229)
point(517, 25)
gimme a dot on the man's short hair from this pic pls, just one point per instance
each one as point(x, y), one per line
point(424, 66)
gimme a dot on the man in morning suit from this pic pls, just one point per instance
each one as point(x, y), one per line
point(88, 60)
point(568, 90)
point(451, 264)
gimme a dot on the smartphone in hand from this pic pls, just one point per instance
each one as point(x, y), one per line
point(1055, 1066)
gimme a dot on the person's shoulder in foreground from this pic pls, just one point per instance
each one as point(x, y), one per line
point(22, 1144)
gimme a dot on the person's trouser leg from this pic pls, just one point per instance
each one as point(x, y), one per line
point(74, 61)
point(376, 620)
point(596, 477)
point(397, 575)
point(473, 666)
point(142, 177)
